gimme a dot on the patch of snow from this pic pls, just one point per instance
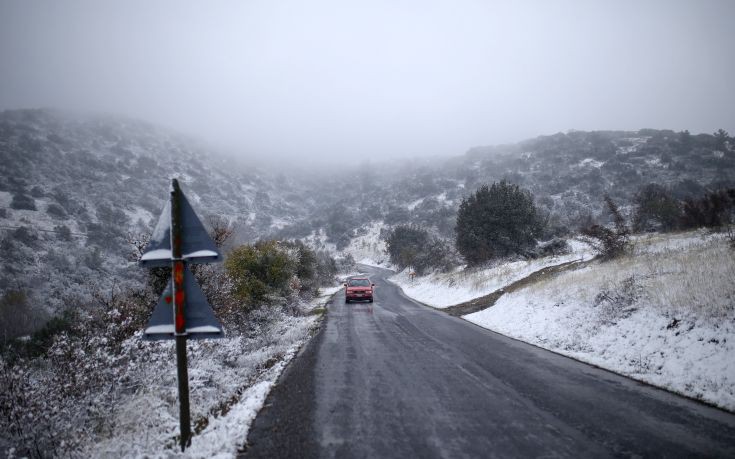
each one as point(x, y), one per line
point(664, 315)
point(5, 198)
point(635, 141)
point(412, 205)
point(441, 290)
point(369, 248)
point(653, 162)
point(232, 372)
point(138, 213)
point(589, 162)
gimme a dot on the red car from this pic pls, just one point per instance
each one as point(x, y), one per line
point(359, 288)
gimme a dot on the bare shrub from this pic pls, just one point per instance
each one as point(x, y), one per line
point(619, 301)
point(609, 242)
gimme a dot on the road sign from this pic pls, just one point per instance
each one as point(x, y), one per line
point(199, 319)
point(180, 238)
point(196, 245)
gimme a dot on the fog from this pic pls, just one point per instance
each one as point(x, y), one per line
point(328, 82)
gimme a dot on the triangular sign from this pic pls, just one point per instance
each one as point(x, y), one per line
point(200, 319)
point(196, 247)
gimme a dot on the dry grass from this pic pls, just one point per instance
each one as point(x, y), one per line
point(681, 275)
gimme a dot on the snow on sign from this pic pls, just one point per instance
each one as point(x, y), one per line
point(199, 319)
point(196, 245)
point(180, 238)
point(193, 245)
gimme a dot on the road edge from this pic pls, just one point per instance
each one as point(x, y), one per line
point(639, 381)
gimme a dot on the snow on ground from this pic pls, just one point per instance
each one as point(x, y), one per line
point(591, 162)
point(442, 290)
point(369, 248)
point(414, 204)
point(317, 240)
point(664, 315)
point(229, 381)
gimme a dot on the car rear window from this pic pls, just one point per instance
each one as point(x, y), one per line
point(358, 283)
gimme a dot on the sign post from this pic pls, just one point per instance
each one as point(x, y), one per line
point(182, 312)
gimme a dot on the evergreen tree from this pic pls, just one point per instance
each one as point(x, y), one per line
point(496, 221)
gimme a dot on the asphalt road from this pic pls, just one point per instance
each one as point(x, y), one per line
point(398, 379)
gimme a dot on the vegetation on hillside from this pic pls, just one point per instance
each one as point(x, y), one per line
point(497, 221)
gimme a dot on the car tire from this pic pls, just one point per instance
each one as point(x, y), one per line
point(370, 300)
point(346, 301)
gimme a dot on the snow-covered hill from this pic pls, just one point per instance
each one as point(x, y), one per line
point(74, 187)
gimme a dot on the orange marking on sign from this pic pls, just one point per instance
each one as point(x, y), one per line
point(178, 273)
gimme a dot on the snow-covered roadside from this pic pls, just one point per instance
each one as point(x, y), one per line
point(664, 315)
point(229, 382)
point(441, 290)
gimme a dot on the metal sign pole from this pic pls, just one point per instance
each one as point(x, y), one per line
point(178, 293)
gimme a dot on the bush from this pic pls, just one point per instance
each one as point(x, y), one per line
point(495, 221)
point(405, 243)
point(22, 201)
point(714, 210)
point(656, 209)
point(56, 210)
point(326, 268)
point(609, 243)
point(260, 271)
point(554, 247)
point(63, 233)
point(26, 236)
point(346, 264)
point(412, 246)
point(17, 317)
point(305, 266)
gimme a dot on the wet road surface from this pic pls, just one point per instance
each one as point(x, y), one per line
point(398, 379)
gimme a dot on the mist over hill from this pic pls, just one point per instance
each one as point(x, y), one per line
point(568, 174)
point(74, 188)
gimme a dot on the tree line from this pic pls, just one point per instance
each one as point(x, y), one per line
point(502, 220)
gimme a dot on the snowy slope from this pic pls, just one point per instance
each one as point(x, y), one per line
point(665, 315)
point(229, 381)
point(441, 290)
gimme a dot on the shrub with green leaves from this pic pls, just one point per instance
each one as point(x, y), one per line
point(496, 221)
point(260, 271)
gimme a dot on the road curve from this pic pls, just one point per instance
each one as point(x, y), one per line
point(398, 379)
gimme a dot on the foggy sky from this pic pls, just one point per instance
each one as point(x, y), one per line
point(339, 80)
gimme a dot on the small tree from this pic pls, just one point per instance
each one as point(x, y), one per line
point(495, 221)
point(609, 243)
point(721, 138)
point(405, 243)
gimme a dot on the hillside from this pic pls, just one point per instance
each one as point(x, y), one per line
point(73, 188)
point(567, 173)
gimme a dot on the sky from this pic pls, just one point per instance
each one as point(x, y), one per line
point(334, 81)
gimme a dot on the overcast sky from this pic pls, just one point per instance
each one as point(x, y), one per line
point(347, 79)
